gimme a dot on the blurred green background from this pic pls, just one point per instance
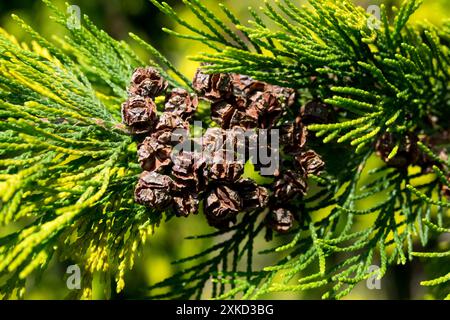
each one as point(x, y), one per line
point(118, 18)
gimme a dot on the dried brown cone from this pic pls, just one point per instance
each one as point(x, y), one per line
point(147, 82)
point(408, 152)
point(188, 172)
point(154, 153)
point(139, 114)
point(243, 88)
point(280, 220)
point(259, 149)
point(253, 196)
point(310, 162)
point(224, 164)
point(181, 103)
point(247, 120)
point(226, 171)
point(172, 128)
point(252, 104)
point(153, 190)
point(293, 136)
point(290, 185)
point(212, 141)
point(244, 85)
point(227, 115)
point(262, 110)
point(287, 96)
point(315, 112)
point(222, 205)
point(185, 203)
point(171, 121)
point(222, 112)
point(213, 87)
point(266, 107)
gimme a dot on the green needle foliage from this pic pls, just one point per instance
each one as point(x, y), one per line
point(68, 168)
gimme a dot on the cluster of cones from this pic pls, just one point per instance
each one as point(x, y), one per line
point(182, 181)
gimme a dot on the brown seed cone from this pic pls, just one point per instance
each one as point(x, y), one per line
point(263, 154)
point(247, 119)
point(253, 196)
point(244, 85)
point(251, 106)
point(310, 162)
point(287, 96)
point(139, 114)
point(222, 205)
point(290, 185)
point(147, 82)
point(212, 141)
point(154, 154)
point(171, 121)
point(164, 137)
point(188, 173)
point(222, 113)
point(315, 112)
point(223, 163)
point(227, 115)
point(213, 87)
point(172, 128)
point(153, 190)
point(293, 136)
point(181, 103)
point(407, 154)
point(185, 204)
point(222, 170)
point(266, 107)
point(280, 220)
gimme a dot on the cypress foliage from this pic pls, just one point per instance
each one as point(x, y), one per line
point(68, 167)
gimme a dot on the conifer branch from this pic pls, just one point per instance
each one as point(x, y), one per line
point(68, 168)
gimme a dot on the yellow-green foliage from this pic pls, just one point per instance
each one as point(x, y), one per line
point(68, 168)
